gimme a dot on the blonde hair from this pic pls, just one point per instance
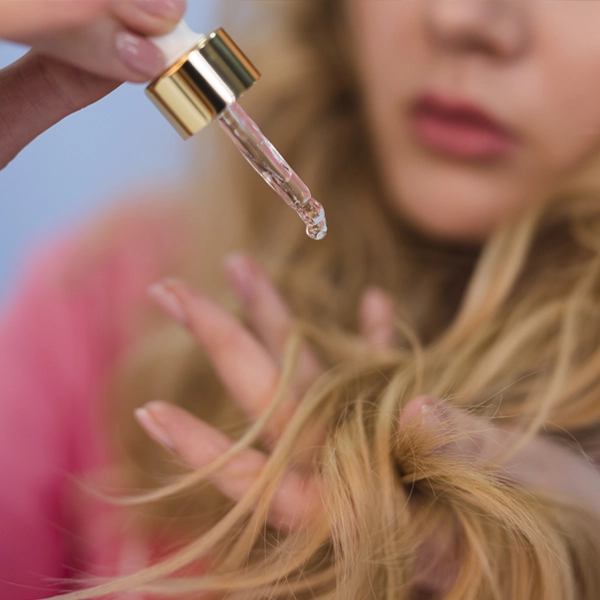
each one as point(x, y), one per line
point(508, 332)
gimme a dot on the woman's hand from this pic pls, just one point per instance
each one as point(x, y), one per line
point(250, 365)
point(81, 51)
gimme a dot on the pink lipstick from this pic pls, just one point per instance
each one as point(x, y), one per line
point(459, 129)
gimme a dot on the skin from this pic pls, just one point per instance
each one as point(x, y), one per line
point(249, 366)
point(527, 63)
point(75, 58)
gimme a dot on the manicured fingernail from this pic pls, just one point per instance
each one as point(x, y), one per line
point(375, 297)
point(171, 10)
point(139, 54)
point(168, 301)
point(431, 412)
point(241, 275)
point(152, 426)
point(427, 413)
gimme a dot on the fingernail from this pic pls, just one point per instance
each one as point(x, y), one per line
point(168, 301)
point(431, 412)
point(139, 54)
point(375, 297)
point(171, 10)
point(241, 275)
point(152, 426)
point(427, 413)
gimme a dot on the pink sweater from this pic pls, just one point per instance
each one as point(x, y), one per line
point(61, 335)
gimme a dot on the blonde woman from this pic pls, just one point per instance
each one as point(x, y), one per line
point(408, 409)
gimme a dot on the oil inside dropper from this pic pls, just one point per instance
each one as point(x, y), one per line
point(267, 161)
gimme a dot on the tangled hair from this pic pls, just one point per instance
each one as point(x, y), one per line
point(508, 332)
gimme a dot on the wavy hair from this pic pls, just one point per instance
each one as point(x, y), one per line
point(509, 331)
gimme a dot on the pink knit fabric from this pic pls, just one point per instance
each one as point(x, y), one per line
point(61, 336)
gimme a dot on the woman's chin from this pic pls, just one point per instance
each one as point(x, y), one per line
point(442, 224)
point(447, 204)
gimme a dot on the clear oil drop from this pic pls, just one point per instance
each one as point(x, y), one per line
point(272, 167)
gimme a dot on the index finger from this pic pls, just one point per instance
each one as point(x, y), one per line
point(22, 21)
point(243, 364)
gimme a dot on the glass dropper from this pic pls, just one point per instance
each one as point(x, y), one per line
point(207, 76)
point(272, 167)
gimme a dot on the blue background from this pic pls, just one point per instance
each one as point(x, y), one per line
point(121, 143)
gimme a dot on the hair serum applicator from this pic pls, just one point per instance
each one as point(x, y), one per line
point(206, 76)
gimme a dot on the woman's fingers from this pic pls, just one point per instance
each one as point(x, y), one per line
point(262, 304)
point(106, 48)
point(82, 49)
point(23, 21)
point(109, 39)
point(268, 315)
point(245, 367)
point(296, 501)
point(542, 464)
point(33, 20)
point(473, 436)
point(35, 93)
point(149, 17)
point(436, 566)
point(115, 45)
point(376, 317)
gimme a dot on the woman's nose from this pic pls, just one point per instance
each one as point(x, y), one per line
point(494, 27)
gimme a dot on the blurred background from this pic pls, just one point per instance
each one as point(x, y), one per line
point(119, 145)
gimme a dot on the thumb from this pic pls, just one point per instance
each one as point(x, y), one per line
point(464, 435)
point(543, 464)
point(35, 93)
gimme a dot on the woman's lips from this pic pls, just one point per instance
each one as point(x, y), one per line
point(459, 129)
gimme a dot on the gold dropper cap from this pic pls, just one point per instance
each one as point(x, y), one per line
point(202, 83)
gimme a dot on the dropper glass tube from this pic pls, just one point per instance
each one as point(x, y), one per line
point(272, 167)
point(202, 85)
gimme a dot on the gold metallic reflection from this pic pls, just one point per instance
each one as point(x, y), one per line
point(203, 83)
